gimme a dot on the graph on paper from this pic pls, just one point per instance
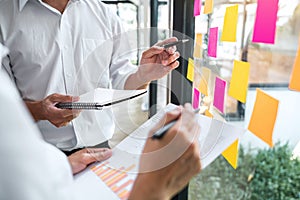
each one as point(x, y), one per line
point(120, 181)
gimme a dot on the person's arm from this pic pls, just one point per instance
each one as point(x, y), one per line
point(168, 164)
point(46, 110)
point(156, 62)
point(81, 159)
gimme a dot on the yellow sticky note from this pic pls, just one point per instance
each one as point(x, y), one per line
point(208, 114)
point(230, 24)
point(263, 117)
point(190, 71)
point(231, 154)
point(239, 81)
point(197, 49)
point(295, 77)
point(208, 7)
point(204, 80)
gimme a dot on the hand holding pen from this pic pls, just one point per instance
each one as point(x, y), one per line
point(163, 130)
point(180, 139)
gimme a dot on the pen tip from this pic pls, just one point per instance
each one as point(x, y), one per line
point(185, 40)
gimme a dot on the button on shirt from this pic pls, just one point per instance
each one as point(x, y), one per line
point(70, 53)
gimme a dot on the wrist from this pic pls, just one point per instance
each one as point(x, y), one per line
point(136, 81)
point(35, 108)
point(142, 79)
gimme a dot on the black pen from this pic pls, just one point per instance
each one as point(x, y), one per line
point(168, 45)
point(162, 131)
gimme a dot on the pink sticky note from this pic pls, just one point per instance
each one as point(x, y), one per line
point(265, 21)
point(197, 7)
point(196, 98)
point(213, 42)
point(219, 94)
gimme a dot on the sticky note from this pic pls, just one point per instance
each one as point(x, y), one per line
point(230, 24)
point(208, 114)
point(219, 94)
point(208, 6)
point(196, 98)
point(204, 80)
point(197, 7)
point(239, 81)
point(265, 21)
point(295, 76)
point(231, 154)
point(197, 49)
point(190, 70)
point(213, 42)
point(263, 117)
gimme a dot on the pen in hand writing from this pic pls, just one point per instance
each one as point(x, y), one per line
point(162, 131)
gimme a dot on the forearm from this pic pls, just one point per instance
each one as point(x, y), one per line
point(136, 82)
point(35, 108)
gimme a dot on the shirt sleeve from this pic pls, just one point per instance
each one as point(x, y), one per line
point(32, 169)
point(121, 67)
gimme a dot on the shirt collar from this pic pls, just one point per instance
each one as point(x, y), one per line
point(22, 4)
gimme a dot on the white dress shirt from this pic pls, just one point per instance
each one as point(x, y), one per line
point(70, 53)
point(30, 168)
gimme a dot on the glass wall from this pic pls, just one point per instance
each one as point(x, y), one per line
point(263, 172)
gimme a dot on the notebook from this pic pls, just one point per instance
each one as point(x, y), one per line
point(101, 98)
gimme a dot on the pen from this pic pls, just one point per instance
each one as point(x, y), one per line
point(166, 46)
point(162, 131)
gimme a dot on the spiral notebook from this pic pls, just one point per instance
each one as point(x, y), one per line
point(102, 98)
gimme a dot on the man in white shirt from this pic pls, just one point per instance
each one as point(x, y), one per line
point(32, 169)
point(71, 47)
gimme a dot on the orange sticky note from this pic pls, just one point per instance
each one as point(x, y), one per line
point(204, 80)
point(197, 49)
point(230, 24)
point(295, 76)
point(239, 81)
point(208, 7)
point(190, 70)
point(231, 154)
point(208, 114)
point(263, 117)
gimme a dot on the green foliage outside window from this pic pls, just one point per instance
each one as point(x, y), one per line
point(268, 174)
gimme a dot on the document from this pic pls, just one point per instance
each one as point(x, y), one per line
point(118, 173)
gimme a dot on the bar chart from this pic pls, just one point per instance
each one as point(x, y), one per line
point(119, 180)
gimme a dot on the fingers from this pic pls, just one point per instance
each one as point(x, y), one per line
point(62, 98)
point(152, 52)
point(58, 117)
point(157, 48)
point(168, 117)
point(170, 59)
point(172, 115)
point(171, 66)
point(93, 155)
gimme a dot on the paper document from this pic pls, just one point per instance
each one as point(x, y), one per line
point(119, 172)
